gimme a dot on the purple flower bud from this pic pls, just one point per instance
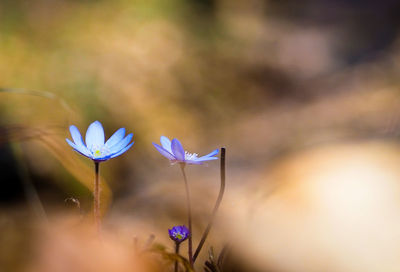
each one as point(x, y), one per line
point(178, 233)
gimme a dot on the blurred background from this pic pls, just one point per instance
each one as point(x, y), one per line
point(303, 94)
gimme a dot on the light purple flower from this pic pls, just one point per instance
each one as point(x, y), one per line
point(174, 151)
point(95, 148)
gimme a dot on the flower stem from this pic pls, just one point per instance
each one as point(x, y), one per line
point(96, 197)
point(176, 252)
point(189, 211)
point(217, 204)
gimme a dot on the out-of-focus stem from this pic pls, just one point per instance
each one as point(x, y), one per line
point(96, 197)
point(176, 252)
point(189, 213)
point(217, 204)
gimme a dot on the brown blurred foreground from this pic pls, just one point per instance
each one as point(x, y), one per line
point(331, 208)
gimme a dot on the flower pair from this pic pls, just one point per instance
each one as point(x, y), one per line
point(98, 150)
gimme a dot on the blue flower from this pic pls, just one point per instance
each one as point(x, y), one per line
point(95, 148)
point(174, 151)
point(178, 233)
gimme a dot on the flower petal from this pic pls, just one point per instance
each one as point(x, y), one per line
point(193, 162)
point(116, 137)
point(81, 149)
point(95, 135)
point(73, 145)
point(177, 150)
point(101, 159)
point(164, 152)
point(214, 152)
point(206, 159)
point(166, 143)
point(76, 136)
point(121, 144)
point(122, 151)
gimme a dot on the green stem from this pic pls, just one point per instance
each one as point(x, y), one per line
point(189, 211)
point(217, 204)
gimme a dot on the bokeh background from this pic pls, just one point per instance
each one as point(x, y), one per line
point(303, 94)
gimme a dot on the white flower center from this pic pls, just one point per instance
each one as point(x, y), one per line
point(190, 156)
point(99, 151)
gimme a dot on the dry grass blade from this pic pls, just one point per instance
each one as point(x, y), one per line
point(47, 95)
point(171, 257)
point(51, 138)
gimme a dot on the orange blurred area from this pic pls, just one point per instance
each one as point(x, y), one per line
point(304, 96)
point(333, 208)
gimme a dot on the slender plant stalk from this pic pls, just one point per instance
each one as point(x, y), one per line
point(176, 252)
point(189, 211)
point(217, 204)
point(96, 197)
